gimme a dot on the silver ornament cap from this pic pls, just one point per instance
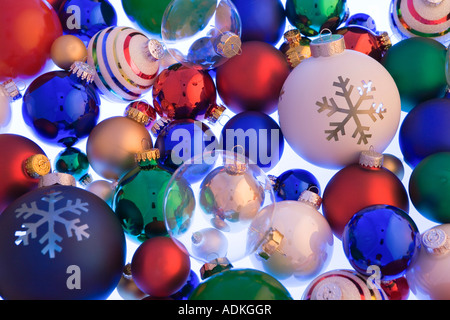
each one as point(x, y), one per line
point(155, 49)
point(83, 71)
point(435, 241)
point(57, 178)
point(311, 198)
point(371, 158)
point(327, 45)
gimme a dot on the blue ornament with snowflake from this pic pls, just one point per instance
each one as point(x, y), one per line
point(60, 242)
point(337, 104)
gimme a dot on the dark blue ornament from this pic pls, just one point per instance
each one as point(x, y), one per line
point(425, 131)
point(363, 20)
point(257, 136)
point(182, 140)
point(60, 108)
point(381, 240)
point(84, 18)
point(290, 184)
point(262, 20)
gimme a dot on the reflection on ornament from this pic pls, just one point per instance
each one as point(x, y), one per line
point(363, 20)
point(295, 47)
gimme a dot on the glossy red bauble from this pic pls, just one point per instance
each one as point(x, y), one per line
point(27, 29)
point(252, 80)
point(397, 289)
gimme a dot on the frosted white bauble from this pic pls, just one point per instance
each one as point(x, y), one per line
point(338, 103)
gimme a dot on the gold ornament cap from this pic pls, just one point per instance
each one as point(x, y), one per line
point(271, 245)
point(311, 198)
point(385, 41)
point(160, 124)
point(37, 165)
point(151, 154)
point(83, 71)
point(327, 45)
point(215, 266)
point(293, 37)
point(371, 158)
point(435, 241)
point(155, 49)
point(57, 178)
point(214, 113)
point(137, 115)
point(11, 89)
point(228, 44)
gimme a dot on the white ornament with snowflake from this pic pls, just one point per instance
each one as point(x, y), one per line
point(335, 105)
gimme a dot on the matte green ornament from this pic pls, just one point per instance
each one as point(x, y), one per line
point(429, 187)
point(147, 14)
point(418, 67)
point(312, 16)
point(74, 162)
point(240, 284)
point(139, 198)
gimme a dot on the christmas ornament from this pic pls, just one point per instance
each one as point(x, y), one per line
point(363, 40)
point(431, 117)
point(8, 93)
point(418, 67)
point(301, 245)
point(291, 183)
point(394, 164)
point(147, 15)
point(427, 277)
point(23, 164)
point(241, 284)
point(311, 17)
point(361, 185)
point(127, 288)
point(258, 135)
point(139, 197)
point(142, 112)
point(428, 187)
point(182, 92)
point(447, 68)
point(295, 47)
point(160, 267)
point(191, 283)
point(66, 50)
point(73, 161)
point(344, 285)
point(61, 108)
point(258, 88)
point(363, 20)
point(382, 237)
point(126, 63)
point(84, 18)
point(112, 144)
point(420, 18)
point(56, 4)
point(182, 140)
point(231, 216)
point(102, 189)
point(60, 242)
point(28, 30)
point(342, 108)
point(397, 289)
point(256, 28)
point(201, 34)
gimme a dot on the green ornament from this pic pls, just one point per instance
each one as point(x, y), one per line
point(147, 14)
point(139, 198)
point(74, 162)
point(418, 67)
point(312, 16)
point(240, 284)
point(429, 187)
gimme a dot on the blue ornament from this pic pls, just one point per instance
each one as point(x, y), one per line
point(61, 108)
point(381, 239)
point(425, 131)
point(84, 18)
point(290, 184)
point(192, 282)
point(257, 136)
point(262, 20)
point(363, 20)
point(182, 140)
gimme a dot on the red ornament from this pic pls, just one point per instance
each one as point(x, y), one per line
point(142, 112)
point(358, 186)
point(56, 4)
point(159, 267)
point(252, 81)
point(361, 39)
point(397, 289)
point(180, 92)
point(16, 168)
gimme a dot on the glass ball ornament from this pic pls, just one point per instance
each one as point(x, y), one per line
point(229, 211)
point(73, 161)
point(295, 47)
point(341, 108)
point(363, 20)
point(201, 34)
point(290, 184)
point(382, 238)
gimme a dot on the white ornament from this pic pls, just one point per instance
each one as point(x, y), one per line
point(338, 103)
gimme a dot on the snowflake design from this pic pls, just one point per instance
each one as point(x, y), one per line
point(352, 111)
point(50, 217)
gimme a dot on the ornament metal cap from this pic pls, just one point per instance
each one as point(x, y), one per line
point(151, 154)
point(238, 165)
point(385, 41)
point(435, 241)
point(215, 266)
point(37, 165)
point(328, 291)
point(137, 115)
point(214, 112)
point(11, 89)
point(160, 124)
point(271, 245)
point(228, 45)
point(371, 158)
point(57, 178)
point(83, 71)
point(155, 49)
point(311, 198)
point(293, 37)
point(327, 45)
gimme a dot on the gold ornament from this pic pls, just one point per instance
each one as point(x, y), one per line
point(66, 50)
point(394, 164)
